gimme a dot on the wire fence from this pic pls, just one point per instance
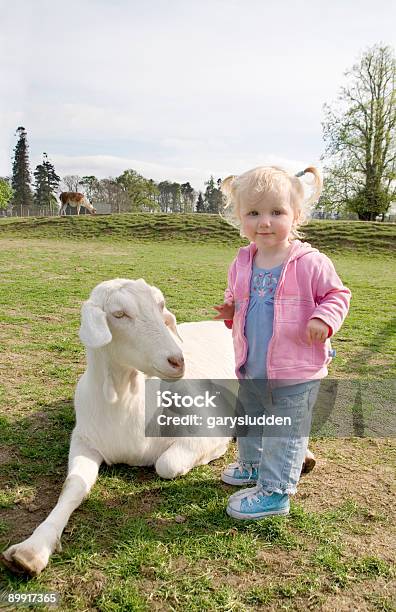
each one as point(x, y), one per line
point(106, 210)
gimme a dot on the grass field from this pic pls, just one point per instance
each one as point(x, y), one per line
point(141, 543)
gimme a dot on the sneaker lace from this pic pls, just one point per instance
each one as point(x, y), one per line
point(255, 496)
point(248, 468)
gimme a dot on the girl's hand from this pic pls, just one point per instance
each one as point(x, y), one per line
point(317, 331)
point(226, 311)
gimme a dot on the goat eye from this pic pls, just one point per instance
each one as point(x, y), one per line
point(119, 314)
point(161, 305)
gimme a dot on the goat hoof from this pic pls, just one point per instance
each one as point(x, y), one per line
point(24, 560)
point(13, 566)
point(19, 566)
point(308, 465)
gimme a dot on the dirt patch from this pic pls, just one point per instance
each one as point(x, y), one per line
point(360, 470)
point(361, 597)
point(137, 505)
point(88, 586)
point(30, 510)
point(7, 455)
point(377, 542)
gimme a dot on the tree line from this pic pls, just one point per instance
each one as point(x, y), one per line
point(129, 192)
point(359, 160)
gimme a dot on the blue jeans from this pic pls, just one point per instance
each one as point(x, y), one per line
point(279, 452)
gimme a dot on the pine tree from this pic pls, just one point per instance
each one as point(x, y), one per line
point(46, 184)
point(21, 180)
point(200, 206)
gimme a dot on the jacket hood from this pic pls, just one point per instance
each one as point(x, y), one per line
point(299, 249)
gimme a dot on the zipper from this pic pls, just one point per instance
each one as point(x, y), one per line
point(270, 343)
point(245, 344)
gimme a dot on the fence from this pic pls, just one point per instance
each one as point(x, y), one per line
point(105, 209)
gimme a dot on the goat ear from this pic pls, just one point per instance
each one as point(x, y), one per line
point(170, 321)
point(94, 331)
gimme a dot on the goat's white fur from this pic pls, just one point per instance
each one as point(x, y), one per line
point(129, 334)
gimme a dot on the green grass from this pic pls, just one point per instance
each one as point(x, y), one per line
point(333, 235)
point(140, 543)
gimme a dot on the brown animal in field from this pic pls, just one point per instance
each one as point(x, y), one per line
point(75, 199)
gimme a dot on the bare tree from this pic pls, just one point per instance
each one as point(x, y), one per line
point(72, 182)
point(114, 194)
point(359, 132)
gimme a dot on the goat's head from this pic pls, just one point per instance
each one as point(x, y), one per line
point(130, 319)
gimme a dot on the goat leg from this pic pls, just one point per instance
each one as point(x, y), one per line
point(181, 456)
point(31, 556)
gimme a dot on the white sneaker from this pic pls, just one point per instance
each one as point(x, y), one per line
point(239, 474)
point(257, 504)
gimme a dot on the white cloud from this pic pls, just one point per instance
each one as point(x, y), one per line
point(104, 166)
point(185, 87)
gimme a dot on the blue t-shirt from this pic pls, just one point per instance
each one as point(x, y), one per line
point(260, 319)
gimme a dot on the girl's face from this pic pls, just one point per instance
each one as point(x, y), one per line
point(268, 221)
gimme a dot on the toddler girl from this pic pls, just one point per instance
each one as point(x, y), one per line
point(284, 301)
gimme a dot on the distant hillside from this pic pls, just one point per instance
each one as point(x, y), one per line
point(328, 235)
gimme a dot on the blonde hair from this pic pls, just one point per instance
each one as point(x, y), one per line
point(250, 186)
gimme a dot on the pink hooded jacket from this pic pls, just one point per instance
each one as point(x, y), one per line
point(308, 287)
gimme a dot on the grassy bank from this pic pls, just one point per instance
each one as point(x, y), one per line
point(327, 235)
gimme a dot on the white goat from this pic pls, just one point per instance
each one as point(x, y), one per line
point(127, 331)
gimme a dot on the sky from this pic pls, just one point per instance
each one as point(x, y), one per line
point(177, 89)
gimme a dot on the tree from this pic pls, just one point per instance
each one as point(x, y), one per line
point(111, 192)
point(176, 203)
point(153, 195)
point(360, 137)
point(6, 193)
point(46, 184)
point(165, 196)
point(200, 205)
point(72, 182)
point(213, 197)
point(21, 179)
point(141, 192)
point(339, 185)
point(90, 185)
point(188, 196)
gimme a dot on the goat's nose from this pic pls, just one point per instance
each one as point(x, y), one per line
point(176, 362)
